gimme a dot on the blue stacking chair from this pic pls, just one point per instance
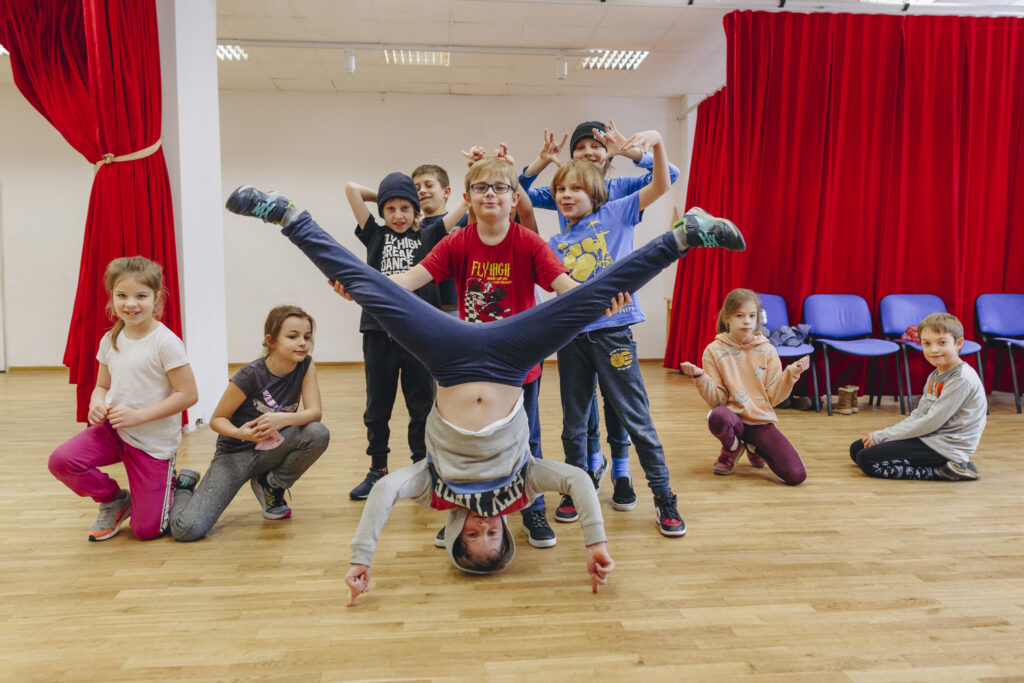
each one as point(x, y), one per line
point(1001, 323)
point(840, 322)
point(774, 307)
point(900, 311)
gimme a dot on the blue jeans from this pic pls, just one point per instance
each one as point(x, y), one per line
point(456, 351)
point(618, 437)
point(531, 392)
point(611, 354)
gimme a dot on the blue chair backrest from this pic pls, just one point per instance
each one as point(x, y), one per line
point(900, 311)
point(775, 310)
point(1001, 315)
point(837, 316)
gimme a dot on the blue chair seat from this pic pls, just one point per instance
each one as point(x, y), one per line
point(1010, 341)
point(1001, 321)
point(862, 347)
point(794, 351)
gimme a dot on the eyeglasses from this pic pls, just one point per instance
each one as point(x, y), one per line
point(481, 188)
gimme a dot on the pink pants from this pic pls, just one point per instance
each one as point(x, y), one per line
point(769, 442)
point(76, 463)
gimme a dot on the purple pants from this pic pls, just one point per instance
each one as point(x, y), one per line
point(76, 462)
point(766, 439)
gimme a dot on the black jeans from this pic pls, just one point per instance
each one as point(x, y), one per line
point(904, 459)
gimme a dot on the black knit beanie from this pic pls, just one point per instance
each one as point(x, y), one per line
point(397, 186)
point(586, 130)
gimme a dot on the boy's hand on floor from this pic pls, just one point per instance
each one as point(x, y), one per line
point(599, 564)
point(690, 369)
point(358, 580)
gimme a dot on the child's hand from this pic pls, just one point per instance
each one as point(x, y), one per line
point(122, 417)
point(474, 154)
point(549, 151)
point(247, 432)
point(358, 580)
point(801, 365)
point(340, 289)
point(690, 369)
point(643, 141)
point(267, 424)
point(612, 139)
point(97, 412)
point(599, 564)
point(868, 440)
point(502, 153)
point(618, 303)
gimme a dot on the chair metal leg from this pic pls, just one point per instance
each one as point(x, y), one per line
point(877, 389)
point(828, 382)
point(814, 379)
point(907, 385)
point(899, 377)
point(1013, 374)
point(981, 373)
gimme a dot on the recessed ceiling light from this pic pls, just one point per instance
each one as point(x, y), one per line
point(416, 58)
point(624, 60)
point(231, 52)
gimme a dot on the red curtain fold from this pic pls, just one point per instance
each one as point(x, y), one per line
point(92, 69)
point(898, 168)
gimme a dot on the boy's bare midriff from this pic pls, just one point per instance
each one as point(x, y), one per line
point(475, 405)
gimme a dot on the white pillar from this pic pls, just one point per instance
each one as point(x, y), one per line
point(191, 132)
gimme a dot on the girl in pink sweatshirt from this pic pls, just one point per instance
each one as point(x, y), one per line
point(742, 380)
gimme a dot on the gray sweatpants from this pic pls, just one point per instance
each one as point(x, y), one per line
point(194, 514)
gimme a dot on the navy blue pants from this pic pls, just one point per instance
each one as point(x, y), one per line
point(456, 351)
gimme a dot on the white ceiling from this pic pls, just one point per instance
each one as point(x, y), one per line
point(686, 43)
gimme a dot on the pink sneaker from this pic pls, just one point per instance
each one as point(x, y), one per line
point(755, 459)
point(726, 463)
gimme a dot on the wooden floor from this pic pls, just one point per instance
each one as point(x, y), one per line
point(844, 578)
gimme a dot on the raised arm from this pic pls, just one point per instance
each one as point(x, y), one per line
point(660, 181)
point(548, 154)
point(357, 196)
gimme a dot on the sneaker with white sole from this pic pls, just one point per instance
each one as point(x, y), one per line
point(955, 471)
point(269, 207)
point(363, 488)
point(439, 539)
point(726, 463)
point(111, 515)
point(596, 475)
point(624, 497)
point(698, 228)
point(670, 522)
point(271, 498)
point(566, 511)
point(536, 528)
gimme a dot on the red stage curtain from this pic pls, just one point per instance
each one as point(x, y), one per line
point(864, 154)
point(92, 69)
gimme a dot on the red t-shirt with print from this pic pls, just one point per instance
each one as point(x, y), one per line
point(494, 281)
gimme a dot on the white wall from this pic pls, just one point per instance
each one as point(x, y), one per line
point(306, 145)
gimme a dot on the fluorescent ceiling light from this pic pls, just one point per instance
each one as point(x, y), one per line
point(624, 60)
point(898, 2)
point(417, 58)
point(231, 52)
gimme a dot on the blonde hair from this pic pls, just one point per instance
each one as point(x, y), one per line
point(734, 300)
point(142, 270)
point(492, 167)
point(275, 321)
point(589, 176)
point(942, 323)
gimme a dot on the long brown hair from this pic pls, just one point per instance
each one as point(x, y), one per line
point(142, 270)
point(589, 176)
point(733, 301)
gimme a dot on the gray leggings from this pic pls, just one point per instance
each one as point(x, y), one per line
point(194, 514)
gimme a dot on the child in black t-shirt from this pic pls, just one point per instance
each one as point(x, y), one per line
point(265, 438)
point(393, 248)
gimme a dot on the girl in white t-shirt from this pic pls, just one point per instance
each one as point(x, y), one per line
point(143, 383)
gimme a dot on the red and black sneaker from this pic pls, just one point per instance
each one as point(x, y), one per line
point(566, 511)
point(670, 522)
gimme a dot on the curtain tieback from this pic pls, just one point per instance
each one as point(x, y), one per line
point(109, 158)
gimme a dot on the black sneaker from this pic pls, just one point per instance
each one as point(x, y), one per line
point(362, 490)
point(954, 471)
point(270, 207)
point(271, 498)
point(439, 539)
point(535, 526)
point(566, 511)
point(698, 228)
point(596, 475)
point(624, 497)
point(670, 522)
point(186, 480)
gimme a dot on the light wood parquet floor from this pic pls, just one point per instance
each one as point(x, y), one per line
point(844, 578)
